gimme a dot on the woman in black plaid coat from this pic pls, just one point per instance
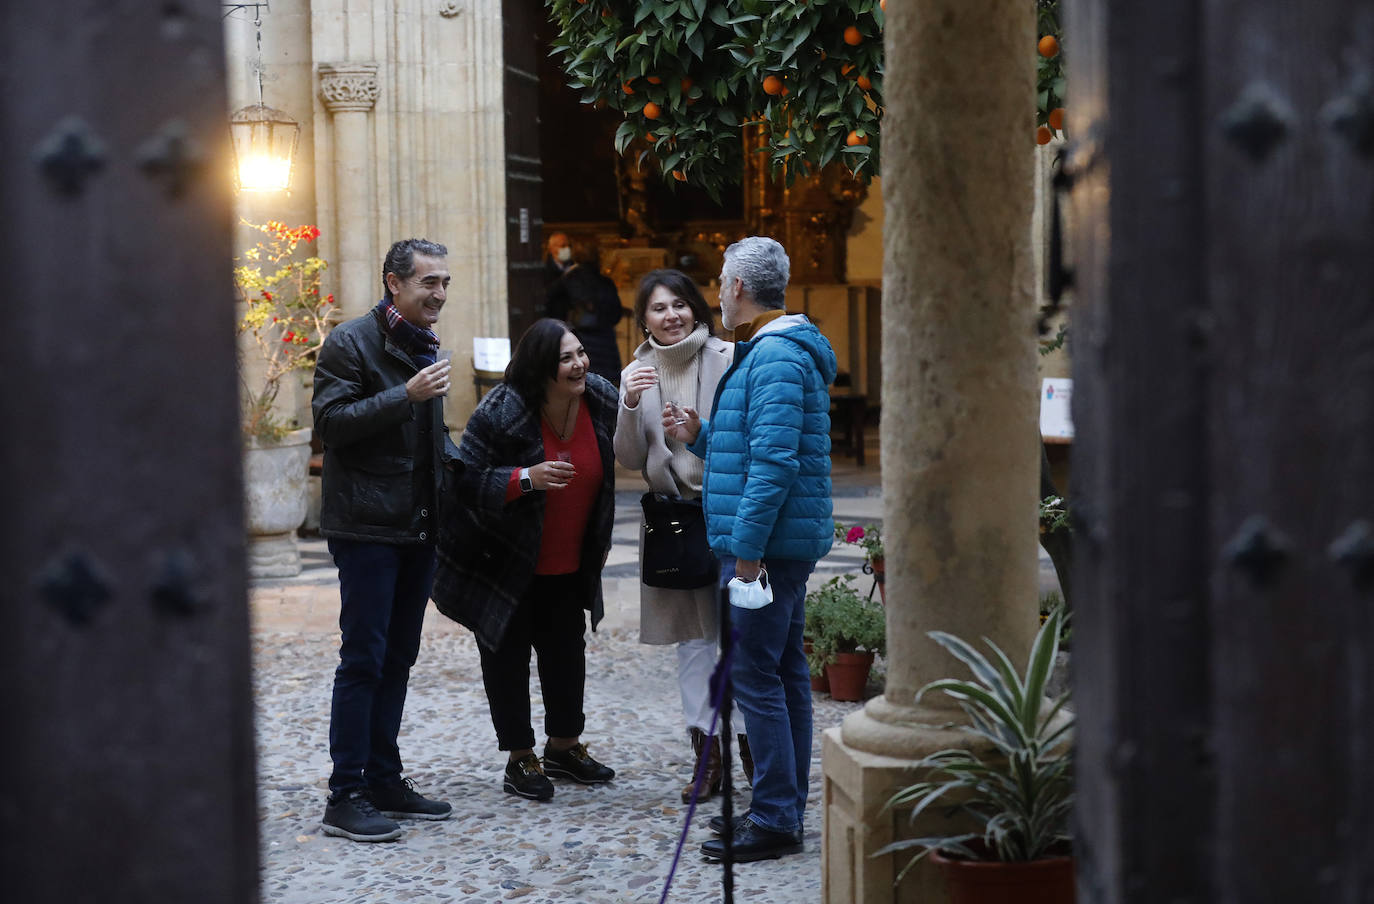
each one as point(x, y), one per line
point(520, 558)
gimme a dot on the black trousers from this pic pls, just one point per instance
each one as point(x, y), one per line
point(550, 622)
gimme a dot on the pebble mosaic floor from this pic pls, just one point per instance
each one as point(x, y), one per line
point(602, 845)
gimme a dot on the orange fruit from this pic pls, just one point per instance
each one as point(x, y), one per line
point(627, 89)
point(772, 85)
point(864, 83)
point(605, 14)
point(1056, 118)
point(785, 91)
point(686, 84)
point(1043, 135)
point(652, 111)
point(655, 80)
point(846, 69)
point(853, 37)
point(855, 139)
point(1048, 47)
point(649, 136)
point(679, 175)
point(882, 4)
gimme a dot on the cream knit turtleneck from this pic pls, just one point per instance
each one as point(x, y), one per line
point(679, 370)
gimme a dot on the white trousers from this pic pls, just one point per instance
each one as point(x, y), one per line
point(695, 661)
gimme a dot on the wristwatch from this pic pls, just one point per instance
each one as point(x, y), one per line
point(526, 485)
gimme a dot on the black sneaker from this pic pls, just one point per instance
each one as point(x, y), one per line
point(577, 764)
point(717, 825)
point(525, 778)
point(352, 816)
point(402, 801)
point(752, 842)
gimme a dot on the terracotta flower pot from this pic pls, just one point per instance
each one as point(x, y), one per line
point(1047, 881)
point(848, 675)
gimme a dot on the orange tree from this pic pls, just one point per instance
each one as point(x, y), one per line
point(688, 75)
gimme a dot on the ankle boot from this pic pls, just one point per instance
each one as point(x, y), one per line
point(712, 782)
point(746, 758)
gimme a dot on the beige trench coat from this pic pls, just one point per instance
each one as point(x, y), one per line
point(667, 616)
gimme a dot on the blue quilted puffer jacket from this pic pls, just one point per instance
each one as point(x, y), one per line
point(767, 447)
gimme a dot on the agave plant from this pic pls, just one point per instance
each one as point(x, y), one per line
point(1020, 792)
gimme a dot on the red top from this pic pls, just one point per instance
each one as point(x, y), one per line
point(566, 511)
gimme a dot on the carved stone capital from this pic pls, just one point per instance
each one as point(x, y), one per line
point(348, 86)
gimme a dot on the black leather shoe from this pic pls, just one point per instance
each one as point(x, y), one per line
point(577, 764)
point(402, 801)
point(717, 825)
point(352, 816)
point(752, 842)
point(526, 779)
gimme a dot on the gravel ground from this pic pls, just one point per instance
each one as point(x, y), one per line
point(613, 843)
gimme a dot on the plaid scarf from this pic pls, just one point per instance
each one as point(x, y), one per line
point(416, 341)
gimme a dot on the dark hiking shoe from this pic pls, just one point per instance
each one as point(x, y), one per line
point(717, 825)
point(577, 764)
point(402, 801)
point(525, 778)
point(352, 816)
point(752, 842)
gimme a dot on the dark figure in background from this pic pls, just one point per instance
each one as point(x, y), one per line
point(378, 409)
point(558, 258)
point(523, 544)
point(588, 302)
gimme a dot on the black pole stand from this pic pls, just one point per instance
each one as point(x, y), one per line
point(727, 803)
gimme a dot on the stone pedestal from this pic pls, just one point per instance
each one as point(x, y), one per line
point(959, 434)
point(274, 489)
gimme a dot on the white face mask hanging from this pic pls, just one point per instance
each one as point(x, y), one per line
point(564, 254)
point(752, 594)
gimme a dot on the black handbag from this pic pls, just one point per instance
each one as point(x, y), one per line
point(676, 556)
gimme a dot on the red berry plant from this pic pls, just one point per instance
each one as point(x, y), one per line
point(278, 284)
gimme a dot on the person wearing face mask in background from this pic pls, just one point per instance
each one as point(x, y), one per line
point(523, 543)
point(588, 302)
point(558, 258)
point(680, 360)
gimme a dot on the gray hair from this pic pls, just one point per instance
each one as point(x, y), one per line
point(401, 258)
point(762, 265)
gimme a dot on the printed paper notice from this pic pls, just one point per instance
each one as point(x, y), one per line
point(1055, 395)
point(490, 353)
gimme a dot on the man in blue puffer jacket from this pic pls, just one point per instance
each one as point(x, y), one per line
point(768, 517)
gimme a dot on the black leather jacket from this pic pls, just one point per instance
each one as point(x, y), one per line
point(385, 457)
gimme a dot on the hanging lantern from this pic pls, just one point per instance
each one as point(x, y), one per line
point(264, 148)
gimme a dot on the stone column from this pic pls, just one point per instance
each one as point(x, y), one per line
point(349, 92)
point(959, 455)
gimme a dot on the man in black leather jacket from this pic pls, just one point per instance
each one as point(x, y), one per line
point(378, 408)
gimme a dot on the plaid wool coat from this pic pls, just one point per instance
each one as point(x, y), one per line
point(487, 547)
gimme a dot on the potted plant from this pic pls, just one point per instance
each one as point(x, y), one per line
point(1014, 784)
point(849, 632)
point(810, 629)
point(283, 325)
point(871, 539)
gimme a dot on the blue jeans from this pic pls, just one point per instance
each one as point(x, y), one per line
point(772, 687)
point(383, 589)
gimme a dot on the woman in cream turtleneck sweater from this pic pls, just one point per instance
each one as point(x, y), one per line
point(680, 361)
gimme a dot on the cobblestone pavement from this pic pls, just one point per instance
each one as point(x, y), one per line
point(589, 845)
